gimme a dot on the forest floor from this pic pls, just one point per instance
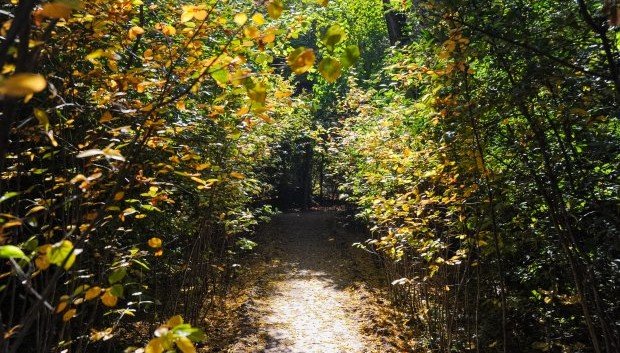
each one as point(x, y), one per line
point(313, 292)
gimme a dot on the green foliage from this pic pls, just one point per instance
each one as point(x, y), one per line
point(477, 157)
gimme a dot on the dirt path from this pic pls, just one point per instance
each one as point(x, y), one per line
point(314, 295)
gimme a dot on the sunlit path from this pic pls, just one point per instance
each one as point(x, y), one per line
point(312, 300)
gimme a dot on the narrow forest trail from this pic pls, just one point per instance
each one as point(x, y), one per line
point(314, 295)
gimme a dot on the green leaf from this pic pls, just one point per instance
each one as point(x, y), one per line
point(334, 35)
point(11, 251)
point(330, 69)
point(8, 195)
point(350, 56)
point(186, 330)
point(220, 75)
point(117, 290)
point(117, 275)
point(257, 92)
point(61, 251)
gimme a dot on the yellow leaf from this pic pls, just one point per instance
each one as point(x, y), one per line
point(174, 321)
point(154, 346)
point(187, 16)
point(185, 345)
point(237, 175)
point(107, 116)
point(200, 15)
point(258, 19)
point(169, 30)
point(56, 10)
point(251, 32)
point(42, 117)
point(95, 55)
point(269, 37)
point(43, 261)
point(109, 299)
point(92, 293)
point(135, 31)
point(322, 2)
point(275, 8)
point(22, 85)
point(301, 60)
point(202, 166)
point(69, 315)
point(240, 19)
point(35, 209)
point(61, 306)
point(101, 335)
point(155, 242)
point(119, 196)
point(159, 252)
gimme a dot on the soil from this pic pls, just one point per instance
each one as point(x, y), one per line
point(314, 292)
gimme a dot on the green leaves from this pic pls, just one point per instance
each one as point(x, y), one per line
point(63, 254)
point(330, 69)
point(350, 56)
point(12, 251)
point(117, 275)
point(220, 75)
point(257, 92)
point(332, 36)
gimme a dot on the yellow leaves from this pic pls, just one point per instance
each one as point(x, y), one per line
point(166, 29)
point(108, 299)
point(191, 12)
point(35, 209)
point(92, 293)
point(202, 166)
point(69, 315)
point(251, 32)
point(107, 152)
point(175, 333)
point(269, 36)
point(101, 335)
point(42, 117)
point(275, 8)
point(42, 261)
point(322, 2)
point(330, 69)
point(301, 60)
point(44, 121)
point(134, 32)
point(237, 175)
point(258, 19)
point(174, 321)
point(185, 345)
point(155, 242)
point(56, 10)
point(240, 19)
point(119, 196)
point(154, 346)
point(62, 305)
point(22, 85)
